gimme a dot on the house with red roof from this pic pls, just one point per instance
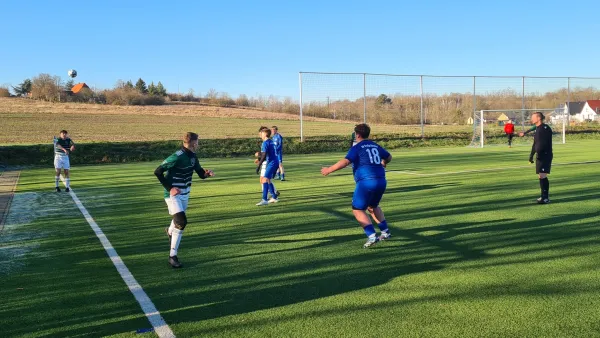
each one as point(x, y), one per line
point(78, 87)
point(590, 111)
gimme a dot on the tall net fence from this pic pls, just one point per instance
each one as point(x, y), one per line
point(426, 106)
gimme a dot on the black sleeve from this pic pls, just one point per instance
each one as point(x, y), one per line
point(159, 172)
point(263, 157)
point(200, 171)
point(532, 151)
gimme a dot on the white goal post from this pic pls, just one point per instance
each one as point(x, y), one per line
point(488, 124)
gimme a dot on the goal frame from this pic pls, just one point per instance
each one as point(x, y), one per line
point(482, 115)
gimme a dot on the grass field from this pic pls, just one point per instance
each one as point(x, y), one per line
point(471, 256)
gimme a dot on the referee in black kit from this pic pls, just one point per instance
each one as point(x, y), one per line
point(542, 146)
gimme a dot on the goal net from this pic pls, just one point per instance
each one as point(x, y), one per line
point(488, 125)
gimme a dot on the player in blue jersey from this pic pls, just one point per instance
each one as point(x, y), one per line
point(369, 160)
point(278, 142)
point(267, 166)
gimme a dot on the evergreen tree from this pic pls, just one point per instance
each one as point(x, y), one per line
point(129, 84)
point(23, 88)
point(152, 89)
point(162, 91)
point(69, 84)
point(140, 85)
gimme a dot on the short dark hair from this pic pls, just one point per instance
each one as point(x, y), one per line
point(363, 130)
point(63, 132)
point(189, 137)
point(266, 130)
point(541, 115)
point(274, 127)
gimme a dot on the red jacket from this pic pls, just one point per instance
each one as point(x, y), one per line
point(509, 128)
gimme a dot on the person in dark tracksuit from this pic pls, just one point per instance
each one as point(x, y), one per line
point(542, 148)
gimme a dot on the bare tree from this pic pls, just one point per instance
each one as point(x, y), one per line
point(46, 87)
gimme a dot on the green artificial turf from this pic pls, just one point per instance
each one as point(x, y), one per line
point(471, 255)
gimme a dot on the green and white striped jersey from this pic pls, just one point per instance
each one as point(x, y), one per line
point(179, 168)
point(66, 144)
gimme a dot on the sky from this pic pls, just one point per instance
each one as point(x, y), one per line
point(259, 47)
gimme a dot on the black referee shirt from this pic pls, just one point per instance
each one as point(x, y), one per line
point(542, 141)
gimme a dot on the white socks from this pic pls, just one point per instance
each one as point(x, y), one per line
point(171, 227)
point(67, 181)
point(176, 235)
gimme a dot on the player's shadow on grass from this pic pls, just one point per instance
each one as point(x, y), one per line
point(308, 276)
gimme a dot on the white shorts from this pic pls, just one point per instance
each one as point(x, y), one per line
point(263, 169)
point(62, 162)
point(177, 203)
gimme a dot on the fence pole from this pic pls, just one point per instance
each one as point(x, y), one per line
point(301, 126)
point(422, 110)
point(364, 98)
point(523, 93)
point(475, 107)
point(567, 116)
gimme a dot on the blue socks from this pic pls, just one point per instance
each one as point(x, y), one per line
point(265, 192)
point(369, 230)
point(383, 227)
point(272, 190)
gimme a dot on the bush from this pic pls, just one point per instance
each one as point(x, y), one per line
point(125, 96)
point(94, 153)
point(4, 92)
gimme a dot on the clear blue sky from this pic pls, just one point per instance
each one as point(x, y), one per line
point(258, 47)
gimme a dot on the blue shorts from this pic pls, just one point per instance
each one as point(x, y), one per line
point(368, 193)
point(268, 170)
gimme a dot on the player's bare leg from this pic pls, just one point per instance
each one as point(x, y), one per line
point(57, 179)
point(281, 172)
point(67, 180)
point(365, 222)
point(379, 218)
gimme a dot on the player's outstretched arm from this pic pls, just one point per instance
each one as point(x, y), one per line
point(203, 173)
point(72, 146)
point(341, 164)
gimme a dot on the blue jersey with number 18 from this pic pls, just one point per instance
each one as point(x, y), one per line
point(366, 157)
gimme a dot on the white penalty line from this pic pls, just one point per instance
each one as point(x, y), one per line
point(158, 323)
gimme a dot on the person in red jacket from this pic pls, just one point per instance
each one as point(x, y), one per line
point(509, 129)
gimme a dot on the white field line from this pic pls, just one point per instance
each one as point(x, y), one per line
point(158, 323)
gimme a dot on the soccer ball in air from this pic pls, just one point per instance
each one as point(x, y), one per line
point(72, 73)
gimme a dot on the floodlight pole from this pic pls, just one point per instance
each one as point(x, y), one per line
point(301, 126)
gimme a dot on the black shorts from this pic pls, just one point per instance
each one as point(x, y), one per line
point(542, 165)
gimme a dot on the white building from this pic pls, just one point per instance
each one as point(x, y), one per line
point(590, 111)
